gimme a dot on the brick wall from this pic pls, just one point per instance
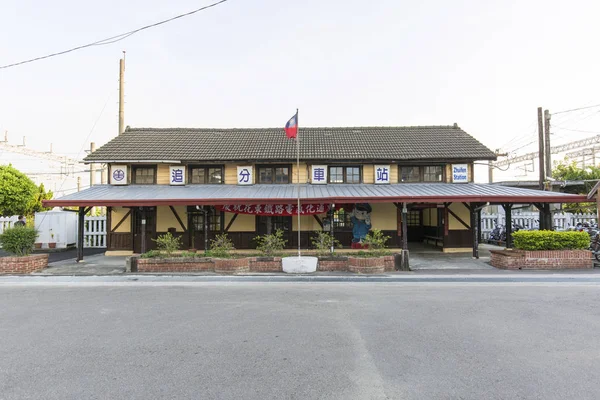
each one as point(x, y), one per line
point(333, 264)
point(175, 265)
point(231, 265)
point(23, 265)
point(542, 259)
point(366, 265)
point(265, 264)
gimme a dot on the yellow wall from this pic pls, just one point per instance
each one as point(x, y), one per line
point(460, 210)
point(165, 218)
point(243, 222)
point(231, 174)
point(304, 173)
point(393, 174)
point(308, 223)
point(368, 172)
point(449, 173)
point(116, 215)
point(162, 175)
point(430, 217)
point(384, 217)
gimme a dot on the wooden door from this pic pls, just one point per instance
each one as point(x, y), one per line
point(139, 215)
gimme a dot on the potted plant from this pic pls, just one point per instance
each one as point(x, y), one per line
point(51, 243)
point(19, 242)
point(325, 245)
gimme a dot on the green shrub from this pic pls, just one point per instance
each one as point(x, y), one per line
point(18, 240)
point(151, 254)
point(221, 246)
point(323, 242)
point(550, 240)
point(271, 245)
point(376, 242)
point(167, 243)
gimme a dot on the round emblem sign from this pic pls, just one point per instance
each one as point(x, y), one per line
point(118, 175)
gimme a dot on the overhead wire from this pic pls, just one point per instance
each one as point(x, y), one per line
point(113, 39)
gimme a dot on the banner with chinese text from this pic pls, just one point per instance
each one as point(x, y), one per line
point(276, 209)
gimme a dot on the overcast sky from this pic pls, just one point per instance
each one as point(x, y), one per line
point(486, 65)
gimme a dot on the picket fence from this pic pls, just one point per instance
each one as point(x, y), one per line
point(530, 220)
point(94, 230)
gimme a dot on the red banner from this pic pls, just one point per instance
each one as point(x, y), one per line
point(276, 209)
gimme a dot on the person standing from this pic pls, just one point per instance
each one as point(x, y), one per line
point(20, 222)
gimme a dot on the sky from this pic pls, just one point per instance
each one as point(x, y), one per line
point(486, 65)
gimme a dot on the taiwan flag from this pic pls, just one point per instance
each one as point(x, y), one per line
point(291, 128)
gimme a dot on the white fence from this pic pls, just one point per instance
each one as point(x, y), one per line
point(7, 222)
point(94, 230)
point(530, 220)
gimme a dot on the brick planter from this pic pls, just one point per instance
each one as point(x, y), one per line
point(333, 264)
point(232, 265)
point(23, 265)
point(367, 265)
point(175, 264)
point(265, 264)
point(541, 259)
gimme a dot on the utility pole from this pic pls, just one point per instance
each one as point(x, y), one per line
point(92, 166)
point(122, 94)
point(541, 147)
point(491, 165)
point(547, 144)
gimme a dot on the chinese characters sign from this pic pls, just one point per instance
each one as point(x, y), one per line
point(318, 174)
point(460, 173)
point(118, 175)
point(382, 174)
point(244, 176)
point(276, 209)
point(177, 175)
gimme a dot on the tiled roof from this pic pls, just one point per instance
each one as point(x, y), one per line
point(360, 143)
point(152, 195)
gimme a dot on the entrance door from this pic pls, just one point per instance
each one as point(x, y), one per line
point(267, 225)
point(196, 226)
point(139, 214)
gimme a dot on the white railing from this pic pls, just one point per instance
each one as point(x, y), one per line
point(7, 222)
point(94, 232)
point(530, 220)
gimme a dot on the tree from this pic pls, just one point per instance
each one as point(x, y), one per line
point(570, 172)
point(41, 194)
point(587, 176)
point(17, 192)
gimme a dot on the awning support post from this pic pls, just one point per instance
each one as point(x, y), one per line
point(508, 213)
point(404, 263)
point(80, 230)
point(143, 230)
point(331, 212)
point(475, 229)
point(205, 219)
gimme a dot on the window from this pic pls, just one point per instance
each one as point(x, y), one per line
point(433, 173)
point(197, 217)
point(273, 174)
point(344, 174)
point(342, 220)
point(203, 175)
point(410, 174)
point(144, 175)
point(413, 218)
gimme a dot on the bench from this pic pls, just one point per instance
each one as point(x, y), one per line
point(434, 239)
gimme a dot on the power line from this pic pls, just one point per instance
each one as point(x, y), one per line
point(575, 109)
point(113, 39)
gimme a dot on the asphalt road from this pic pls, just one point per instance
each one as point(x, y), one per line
point(63, 255)
point(301, 341)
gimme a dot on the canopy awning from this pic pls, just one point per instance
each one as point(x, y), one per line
point(156, 195)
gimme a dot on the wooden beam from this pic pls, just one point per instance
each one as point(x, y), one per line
point(468, 206)
point(458, 218)
point(178, 219)
point(231, 222)
point(121, 221)
point(318, 220)
point(108, 224)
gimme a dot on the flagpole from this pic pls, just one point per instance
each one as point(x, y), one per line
point(298, 179)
